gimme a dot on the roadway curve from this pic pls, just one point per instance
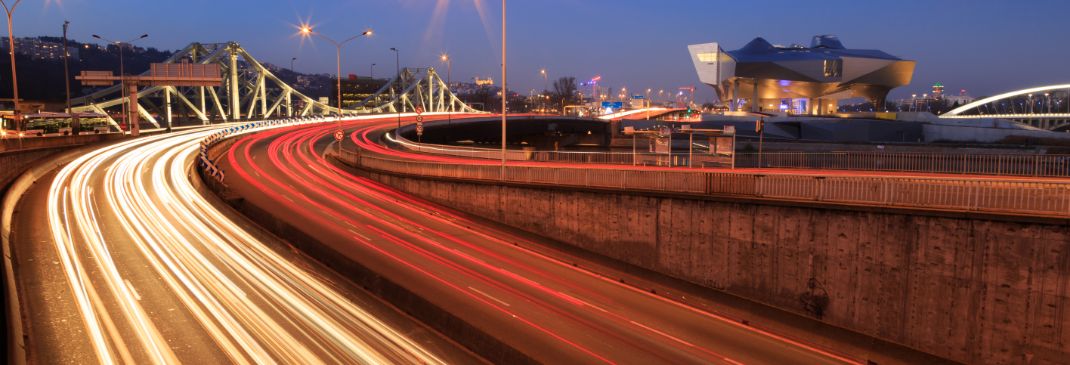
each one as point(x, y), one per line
point(120, 258)
point(488, 276)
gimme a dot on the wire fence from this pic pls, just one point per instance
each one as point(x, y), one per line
point(997, 196)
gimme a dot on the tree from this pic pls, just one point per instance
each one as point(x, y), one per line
point(564, 91)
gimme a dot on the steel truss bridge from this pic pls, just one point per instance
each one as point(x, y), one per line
point(251, 91)
point(1045, 107)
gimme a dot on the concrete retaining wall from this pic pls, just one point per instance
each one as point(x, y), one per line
point(971, 289)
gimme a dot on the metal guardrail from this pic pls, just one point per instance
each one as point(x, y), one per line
point(958, 194)
point(958, 163)
point(606, 158)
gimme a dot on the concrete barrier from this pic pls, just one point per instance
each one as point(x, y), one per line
point(966, 287)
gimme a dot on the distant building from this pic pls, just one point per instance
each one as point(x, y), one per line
point(938, 91)
point(40, 49)
point(484, 82)
point(356, 89)
point(796, 79)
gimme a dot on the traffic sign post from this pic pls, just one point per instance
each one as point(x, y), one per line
point(338, 136)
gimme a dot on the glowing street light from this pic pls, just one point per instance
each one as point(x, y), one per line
point(306, 31)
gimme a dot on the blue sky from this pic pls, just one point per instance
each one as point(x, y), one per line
point(984, 46)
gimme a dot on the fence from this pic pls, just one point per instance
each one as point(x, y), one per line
point(958, 163)
point(956, 194)
point(608, 158)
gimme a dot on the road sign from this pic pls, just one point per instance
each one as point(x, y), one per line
point(419, 128)
point(612, 104)
point(419, 109)
point(338, 135)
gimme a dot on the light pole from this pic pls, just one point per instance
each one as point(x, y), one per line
point(307, 31)
point(505, 90)
point(545, 86)
point(11, 50)
point(397, 64)
point(449, 78)
point(66, 68)
point(122, 73)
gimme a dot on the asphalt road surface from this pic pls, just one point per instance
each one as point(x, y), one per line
point(120, 259)
point(544, 307)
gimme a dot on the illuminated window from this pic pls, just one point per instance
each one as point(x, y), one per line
point(833, 68)
point(708, 57)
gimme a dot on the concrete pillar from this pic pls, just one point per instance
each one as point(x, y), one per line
point(235, 97)
point(135, 121)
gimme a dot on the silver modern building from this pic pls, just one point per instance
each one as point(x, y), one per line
point(797, 79)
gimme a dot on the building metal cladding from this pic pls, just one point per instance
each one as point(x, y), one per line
point(798, 79)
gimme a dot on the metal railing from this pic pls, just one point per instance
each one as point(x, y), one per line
point(995, 196)
point(700, 159)
point(957, 163)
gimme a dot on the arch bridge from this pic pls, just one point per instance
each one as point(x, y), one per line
point(252, 91)
point(1044, 107)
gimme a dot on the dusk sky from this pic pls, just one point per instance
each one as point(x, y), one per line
point(984, 46)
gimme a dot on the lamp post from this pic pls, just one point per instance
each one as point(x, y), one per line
point(449, 78)
point(397, 64)
point(66, 67)
point(545, 86)
point(505, 90)
point(122, 73)
point(307, 31)
point(11, 51)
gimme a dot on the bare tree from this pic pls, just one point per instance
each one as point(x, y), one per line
point(564, 91)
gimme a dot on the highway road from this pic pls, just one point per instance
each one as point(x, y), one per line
point(546, 308)
point(121, 259)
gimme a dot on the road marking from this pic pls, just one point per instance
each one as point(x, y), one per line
point(674, 338)
point(489, 296)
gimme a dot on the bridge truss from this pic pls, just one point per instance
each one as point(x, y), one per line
point(1045, 107)
point(251, 91)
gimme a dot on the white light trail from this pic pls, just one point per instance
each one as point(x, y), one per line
point(256, 305)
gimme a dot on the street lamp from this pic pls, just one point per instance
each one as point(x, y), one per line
point(306, 31)
point(505, 89)
point(449, 77)
point(397, 106)
point(11, 50)
point(122, 72)
point(66, 67)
